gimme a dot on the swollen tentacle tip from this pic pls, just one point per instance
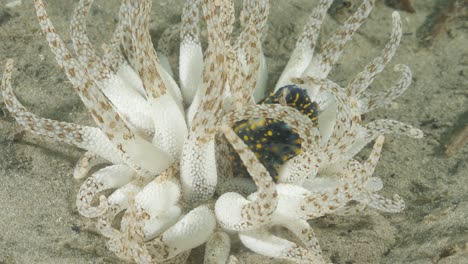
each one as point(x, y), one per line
point(9, 63)
point(401, 68)
point(399, 202)
point(79, 173)
point(379, 141)
point(416, 133)
point(225, 129)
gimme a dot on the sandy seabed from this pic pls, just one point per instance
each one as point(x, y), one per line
point(39, 222)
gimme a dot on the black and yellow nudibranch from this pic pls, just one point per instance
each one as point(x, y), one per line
point(273, 141)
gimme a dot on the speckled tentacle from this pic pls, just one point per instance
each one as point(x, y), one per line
point(86, 162)
point(311, 31)
point(191, 55)
point(198, 167)
point(134, 150)
point(371, 101)
point(382, 127)
point(262, 242)
point(164, 47)
point(360, 83)
point(116, 203)
point(381, 203)
point(110, 177)
point(354, 179)
point(227, 181)
point(131, 106)
point(113, 56)
point(260, 9)
point(89, 138)
point(305, 45)
point(233, 260)
point(83, 47)
point(129, 243)
point(134, 16)
point(217, 248)
point(206, 119)
point(156, 200)
point(351, 209)
point(246, 214)
point(114, 60)
point(159, 200)
point(347, 122)
point(321, 65)
point(248, 49)
point(371, 163)
point(250, 10)
point(168, 118)
point(224, 26)
point(306, 234)
point(214, 77)
point(386, 126)
point(226, 178)
point(189, 232)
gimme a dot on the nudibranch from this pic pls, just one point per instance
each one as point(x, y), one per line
point(172, 148)
point(273, 141)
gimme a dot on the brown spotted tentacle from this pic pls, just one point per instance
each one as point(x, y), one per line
point(306, 234)
point(133, 149)
point(371, 101)
point(86, 162)
point(81, 44)
point(164, 47)
point(248, 47)
point(165, 106)
point(198, 169)
point(305, 45)
point(127, 101)
point(191, 231)
point(191, 55)
point(347, 120)
point(379, 127)
point(128, 244)
point(234, 212)
point(353, 182)
point(360, 83)
point(388, 205)
point(111, 177)
point(89, 138)
point(116, 203)
point(321, 64)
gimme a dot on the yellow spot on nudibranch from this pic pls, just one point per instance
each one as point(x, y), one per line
point(296, 98)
